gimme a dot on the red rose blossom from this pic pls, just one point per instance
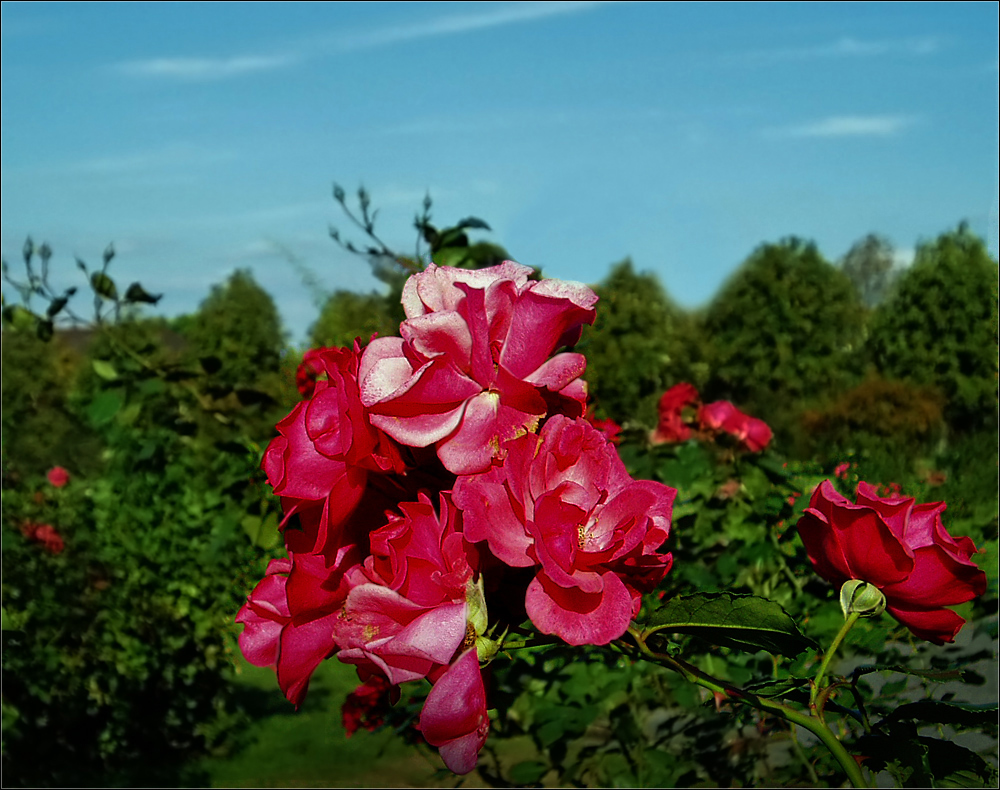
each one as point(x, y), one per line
point(367, 705)
point(898, 546)
point(44, 534)
point(58, 476)
point(454, 717)
point(563, 502)
point(671, 427)
point(754, 435)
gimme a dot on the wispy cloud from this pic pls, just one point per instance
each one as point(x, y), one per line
point(452, 24)
point(847, 47)
point(846, 126)
point(204, 69)
point(167, 158)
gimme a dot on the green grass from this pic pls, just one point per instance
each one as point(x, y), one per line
point(308, 748)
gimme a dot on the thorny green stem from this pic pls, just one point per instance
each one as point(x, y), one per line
point(814, 724)
point(852, 618)
point(535, 641)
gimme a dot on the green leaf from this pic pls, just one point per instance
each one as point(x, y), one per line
point(741, 622)
point(263, 532)
point(104, 369)
point(941, 675)
point(136, 293)
point(955, 713)
point(103, 286)
point(947, 758)
point(528, 772)
point(104, 407)
point(777, 688)
point(472, 222)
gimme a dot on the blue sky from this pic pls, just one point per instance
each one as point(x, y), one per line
point(201, 138)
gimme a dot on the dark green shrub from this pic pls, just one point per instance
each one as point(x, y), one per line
point(347, 315)
point(939, 328)
point(117, 651)
point(640, 344)
point(786, 329)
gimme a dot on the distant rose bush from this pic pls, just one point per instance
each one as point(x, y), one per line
point(899, 546)
point(681, 415)
point(753, 434)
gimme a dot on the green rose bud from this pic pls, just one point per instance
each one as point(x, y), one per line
point(860, 597)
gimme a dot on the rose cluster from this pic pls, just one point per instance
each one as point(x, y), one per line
point(442, 487)
point(682, 414)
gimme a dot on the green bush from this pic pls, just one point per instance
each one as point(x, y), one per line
point(786, 329)
point(117, 651)
point(939, 328)
point(894, 419)
point(640, 344)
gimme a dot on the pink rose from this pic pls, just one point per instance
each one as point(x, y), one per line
point(58, 476)
point(474, 366)
point(406, 615)
point(563, 502)
point(454, 717)
point(898, 546)
point(671, 427)
point(290, 616)
point(722, 415)
point(327, 450)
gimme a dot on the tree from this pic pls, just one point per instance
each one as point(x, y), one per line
point(868, 265)
point(786, 330)
point(939, 328)
point(239, 325)
point(347, 315)
point(638, 347)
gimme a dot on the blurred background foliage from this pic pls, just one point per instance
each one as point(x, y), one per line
point(119, 651)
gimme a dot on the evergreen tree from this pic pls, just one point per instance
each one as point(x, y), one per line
point(638, 347)
point(786, 332)
point(939, 328)
point(239, 325)
point(868, 265)
point(347, 315)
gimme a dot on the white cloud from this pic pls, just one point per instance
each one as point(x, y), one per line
point(847, 126)
point(204, 69)
point(849, 47)
point(451, 24)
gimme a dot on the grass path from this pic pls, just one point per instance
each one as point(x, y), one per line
point(308, 747)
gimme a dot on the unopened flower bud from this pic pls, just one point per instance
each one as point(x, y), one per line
point(861, 597)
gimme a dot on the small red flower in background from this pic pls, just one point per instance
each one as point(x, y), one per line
point(609, 428)
point(366, 705)
point(899, 546)
point(890, 490)
point(308, 372)
point(58, 476)
point(723, 416)
point(45, 534)
point(841, 470)
point(671, 427)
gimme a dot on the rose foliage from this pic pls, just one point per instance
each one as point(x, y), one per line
point(442, 487)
